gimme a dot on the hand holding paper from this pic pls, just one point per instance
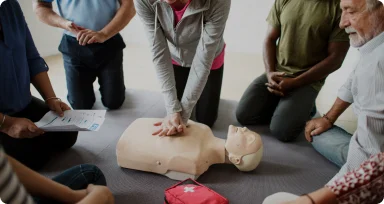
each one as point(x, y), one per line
point(73, 120)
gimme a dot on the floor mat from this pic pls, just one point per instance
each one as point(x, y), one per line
point(291, 167)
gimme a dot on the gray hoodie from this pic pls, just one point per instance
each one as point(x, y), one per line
point(195, 42)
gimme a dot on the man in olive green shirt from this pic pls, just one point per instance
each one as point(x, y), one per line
point(303, 45)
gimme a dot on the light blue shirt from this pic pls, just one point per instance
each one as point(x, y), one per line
point(90, 14)
point(365, 89)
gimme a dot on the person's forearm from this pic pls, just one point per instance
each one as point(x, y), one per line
point(42, 83)
point(93, 198)
point(319, 71)
point(2, 121)
point(123, 16)
point(46, 14)
point(337, 109)
point(40, 186)
point(323, 196)
point(336, 55)
point(269, 55)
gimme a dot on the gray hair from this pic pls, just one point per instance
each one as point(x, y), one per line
point(373, 4)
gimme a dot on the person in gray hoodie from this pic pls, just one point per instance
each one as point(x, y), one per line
point(186, 38)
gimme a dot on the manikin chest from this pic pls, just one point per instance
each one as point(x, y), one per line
point(188, 155)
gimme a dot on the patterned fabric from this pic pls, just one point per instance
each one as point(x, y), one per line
point(11, 190)
point(363, 185)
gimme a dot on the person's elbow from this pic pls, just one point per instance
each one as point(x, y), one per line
point(40, 9)
point(273, 34)
point(338, 54)
point(129, 8)
point(337, 60)
point(270, 40)
point(132, 13)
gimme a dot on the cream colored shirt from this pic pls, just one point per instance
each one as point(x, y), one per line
point(365, 89)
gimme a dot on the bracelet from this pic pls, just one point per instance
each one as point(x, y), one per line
point(310, 198)
point(2, 122)
point(327, 118)
point(50, 98)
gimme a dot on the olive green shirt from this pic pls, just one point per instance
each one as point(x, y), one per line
point(307, 27)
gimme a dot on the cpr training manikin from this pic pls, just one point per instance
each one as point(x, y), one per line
point(189, 154)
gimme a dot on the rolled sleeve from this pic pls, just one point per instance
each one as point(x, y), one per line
point(274, 15)
point(36, 63)
point(345, 91)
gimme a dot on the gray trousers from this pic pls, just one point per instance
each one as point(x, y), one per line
point(286, 115)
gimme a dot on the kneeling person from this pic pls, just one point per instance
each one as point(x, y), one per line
point(310, 47)
point(91, 46)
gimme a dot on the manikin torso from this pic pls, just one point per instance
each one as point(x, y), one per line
point(187, 155)
point(179, 157)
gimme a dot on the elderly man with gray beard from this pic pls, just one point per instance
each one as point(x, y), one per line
point(361, 156)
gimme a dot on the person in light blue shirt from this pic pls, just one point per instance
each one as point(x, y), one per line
point(91, 46)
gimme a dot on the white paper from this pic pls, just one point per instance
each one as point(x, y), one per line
point(73, 120)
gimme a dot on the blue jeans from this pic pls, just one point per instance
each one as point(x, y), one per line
point(333, 145)
point(78, 178)
point(83, 64)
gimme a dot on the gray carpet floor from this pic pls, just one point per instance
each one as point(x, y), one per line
point(290, 167)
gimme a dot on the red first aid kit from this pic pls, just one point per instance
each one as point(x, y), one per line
point(191, 192)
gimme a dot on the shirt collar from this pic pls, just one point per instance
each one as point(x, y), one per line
point(372, 44)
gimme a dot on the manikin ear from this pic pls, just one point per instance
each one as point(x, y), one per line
point(235, 159)
point(250, 138)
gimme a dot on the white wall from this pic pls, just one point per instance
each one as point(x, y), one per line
point(46, 37)
point(245, 28)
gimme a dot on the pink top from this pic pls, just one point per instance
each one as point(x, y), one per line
point(219, 60)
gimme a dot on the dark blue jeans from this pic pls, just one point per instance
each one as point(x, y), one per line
point(286, 115)
point(78, 178)
point(83, 64)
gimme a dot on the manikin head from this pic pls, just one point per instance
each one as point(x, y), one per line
point(244, 147)
point(362, 20)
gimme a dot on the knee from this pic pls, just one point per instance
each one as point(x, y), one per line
point(113, 103)
point(241, 116)
point(209, 121)
point(69, 140)
point(283, 132)
point(93, 174)
point(321, 142)
point(83, 105)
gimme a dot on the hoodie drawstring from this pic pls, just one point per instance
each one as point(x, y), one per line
point(155, 26)
point(202, 29)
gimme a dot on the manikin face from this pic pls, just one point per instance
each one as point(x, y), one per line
point(240, 143)
point(359, 22)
